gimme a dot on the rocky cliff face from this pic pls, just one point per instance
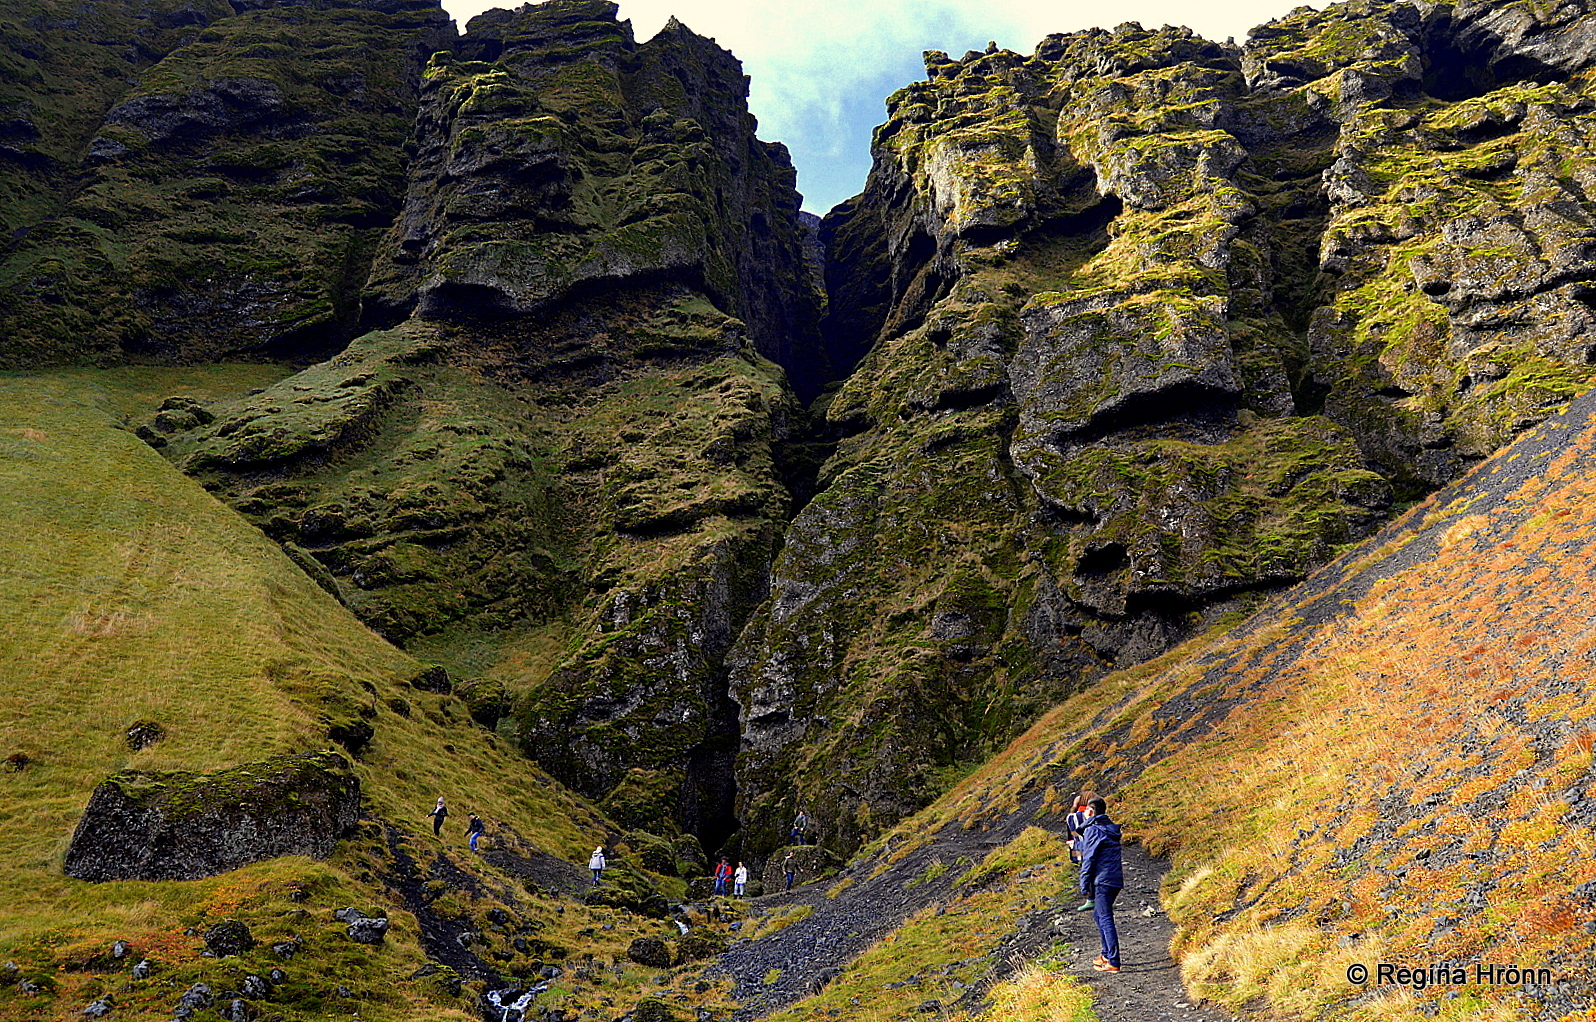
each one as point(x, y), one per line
point(561, 471)
point(1120, 335)
point(575, 161)
point(1149, 324)
point(216, 179)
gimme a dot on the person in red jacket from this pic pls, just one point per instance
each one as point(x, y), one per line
point(723, 874)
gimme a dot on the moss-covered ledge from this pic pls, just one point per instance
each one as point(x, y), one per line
point(178, 825)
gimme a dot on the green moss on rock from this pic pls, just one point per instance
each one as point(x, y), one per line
point(173, 825)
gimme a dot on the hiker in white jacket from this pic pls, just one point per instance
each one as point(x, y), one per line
point(740, 878)
point(595, 862)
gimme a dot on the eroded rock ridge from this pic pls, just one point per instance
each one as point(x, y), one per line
point(1120, 335)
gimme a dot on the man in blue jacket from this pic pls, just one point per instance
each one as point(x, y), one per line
point(1102, 878)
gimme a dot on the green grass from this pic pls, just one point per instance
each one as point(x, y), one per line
point(129, 593)
point(943, 943)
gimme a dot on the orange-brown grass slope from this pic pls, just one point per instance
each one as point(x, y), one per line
point(1391, 763)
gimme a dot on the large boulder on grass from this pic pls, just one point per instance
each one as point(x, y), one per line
point(629, 890)
point(229, 937)
point(650, 951)
point(652, 1009)
point(177, 825)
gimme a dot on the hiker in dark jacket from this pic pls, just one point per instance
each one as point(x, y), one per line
point(1102, 878)
point(438, 814)
point(474, 829)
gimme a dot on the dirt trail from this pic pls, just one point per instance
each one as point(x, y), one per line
point(1148, 989)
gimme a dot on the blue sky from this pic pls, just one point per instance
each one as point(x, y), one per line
point(821, 70)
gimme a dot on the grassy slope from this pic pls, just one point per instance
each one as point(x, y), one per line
point(127, 592)
point(1391, 763)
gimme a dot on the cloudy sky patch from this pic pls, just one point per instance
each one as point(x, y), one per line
point(821, 70)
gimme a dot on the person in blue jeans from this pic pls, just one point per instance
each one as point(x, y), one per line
point(1102, 878)
point(474, 830)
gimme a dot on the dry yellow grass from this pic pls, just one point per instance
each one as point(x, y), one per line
point(1036, 995)
point(1335, 792)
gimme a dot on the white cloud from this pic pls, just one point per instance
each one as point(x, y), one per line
point(821, 69)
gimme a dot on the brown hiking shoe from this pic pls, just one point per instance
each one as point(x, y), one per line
point(1105, 967)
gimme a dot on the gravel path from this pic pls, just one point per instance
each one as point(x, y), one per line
point(1148, 989)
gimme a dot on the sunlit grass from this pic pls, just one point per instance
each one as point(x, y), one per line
point(127, 593)
point(1035, 994)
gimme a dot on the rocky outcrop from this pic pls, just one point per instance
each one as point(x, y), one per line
point(569, 448)
point(62, 75)
point(142, 825)
point(225, 204)
point(1146, 326)
point(572, 159)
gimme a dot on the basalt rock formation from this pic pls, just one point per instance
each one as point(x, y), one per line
point(224, 201)
point(182, 826)
point(564, 457)
point(1120, 336)
point(1150, 325)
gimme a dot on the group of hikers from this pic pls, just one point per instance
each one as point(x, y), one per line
point(724, 875)
point(1093, 838)
point(474, 826)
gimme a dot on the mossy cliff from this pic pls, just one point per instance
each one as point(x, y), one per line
point(1145, 326)
point(225, 201)
point(1121, 336)
point(561, 472)
point(568, 159)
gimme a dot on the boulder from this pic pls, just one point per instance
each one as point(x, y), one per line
point(652, 1009)
point(809, 862)
point(822, 979)
point(362, 929)
point(622, 888)
point(698, 944)
point(177, 825)
point(196, 998)
point(433, 679)
point(650, 951)
point(485, 699)
point(367, 931)
point(229, 937)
